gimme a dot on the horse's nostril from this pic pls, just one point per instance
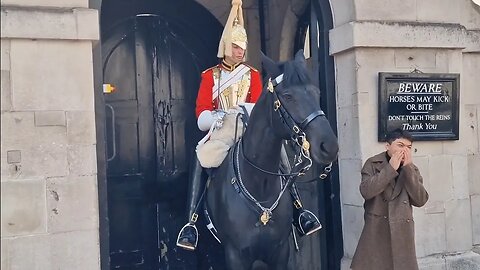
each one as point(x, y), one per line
point(322, 147)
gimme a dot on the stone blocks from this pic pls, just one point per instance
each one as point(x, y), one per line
point(5, 54)
point(458, 225)
point(82, 160)
point(397, 35)
point(474, 174)
point(78, 250)
point(6, 91)
point(346, 78)
point(38, 86)
point(422, 59)
point(50, 118)
point(434, 11)
point(475, 205)
point(43, 149)
point(47, 3)
point(23, 207)
point(463, 12)
point(49, 23)
point(430, 236)
point(348, 128)
point(469, 78)
point(81, 127)
point(369, 62)
point(440, 183)
point(352, 228)
point(421, 148)
point(72, 204)
point(350, 181)
point(389, 10)
point(460, 177)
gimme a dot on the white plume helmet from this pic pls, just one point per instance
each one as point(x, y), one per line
point(234, 31)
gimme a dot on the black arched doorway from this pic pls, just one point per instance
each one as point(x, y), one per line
point(153, 54)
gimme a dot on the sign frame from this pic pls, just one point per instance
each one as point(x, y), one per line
point(384, 126)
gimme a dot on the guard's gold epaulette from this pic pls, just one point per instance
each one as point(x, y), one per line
point(210, 68)
point(254, 69)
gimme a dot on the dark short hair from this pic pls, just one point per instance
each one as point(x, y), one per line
point(399, 134)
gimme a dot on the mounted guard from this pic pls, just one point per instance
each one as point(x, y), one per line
point(225, 86)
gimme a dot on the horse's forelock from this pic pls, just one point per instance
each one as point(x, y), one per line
point(295, 73)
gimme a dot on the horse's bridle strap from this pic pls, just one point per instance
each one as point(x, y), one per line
point(277, 80)
point(310, 118)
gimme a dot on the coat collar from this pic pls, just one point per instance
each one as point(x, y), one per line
point(380, 158)
point(224, 65)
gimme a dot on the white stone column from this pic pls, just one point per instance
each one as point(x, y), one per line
point(49, 201)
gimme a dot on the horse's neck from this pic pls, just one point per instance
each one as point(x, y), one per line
point(262, 148)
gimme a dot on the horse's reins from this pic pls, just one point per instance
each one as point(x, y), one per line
point(265, 212)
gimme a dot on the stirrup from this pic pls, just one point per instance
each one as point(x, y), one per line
point(300, 227)
point(180, 233)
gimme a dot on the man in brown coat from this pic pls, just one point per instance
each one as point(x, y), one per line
point(390, 185)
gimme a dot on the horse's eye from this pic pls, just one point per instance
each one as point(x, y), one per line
point(287, 96)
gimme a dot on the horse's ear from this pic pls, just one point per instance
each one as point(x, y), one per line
point(300, 57)
point(270, 66)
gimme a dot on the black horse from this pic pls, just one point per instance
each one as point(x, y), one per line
point(245, 198)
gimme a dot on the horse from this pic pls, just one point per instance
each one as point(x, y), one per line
point(245, 199)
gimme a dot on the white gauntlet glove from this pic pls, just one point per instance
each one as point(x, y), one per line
point(207, 118)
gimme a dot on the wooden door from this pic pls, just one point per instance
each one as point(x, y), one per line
point(151, 133)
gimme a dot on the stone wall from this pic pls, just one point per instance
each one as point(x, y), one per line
point(49, 204)
point(400, 36)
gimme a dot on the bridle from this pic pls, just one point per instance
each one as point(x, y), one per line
point(297, 134)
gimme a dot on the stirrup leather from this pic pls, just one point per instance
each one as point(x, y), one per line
point(196, 240)
point(301, 229)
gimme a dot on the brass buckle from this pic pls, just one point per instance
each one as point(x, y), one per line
point(305, 145)
point(276, 105)
point(194, 217)
point(270, 85)
point(296, 129)
point(265, 217)
point(297, 204)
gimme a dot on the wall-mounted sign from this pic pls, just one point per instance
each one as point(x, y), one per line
point(424, 104)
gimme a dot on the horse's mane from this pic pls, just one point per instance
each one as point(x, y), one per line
point(295, 73)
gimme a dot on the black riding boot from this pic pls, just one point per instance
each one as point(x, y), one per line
point(304, 220)
point(188, 235)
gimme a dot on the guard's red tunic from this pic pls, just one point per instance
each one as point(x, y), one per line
point(204, 97)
